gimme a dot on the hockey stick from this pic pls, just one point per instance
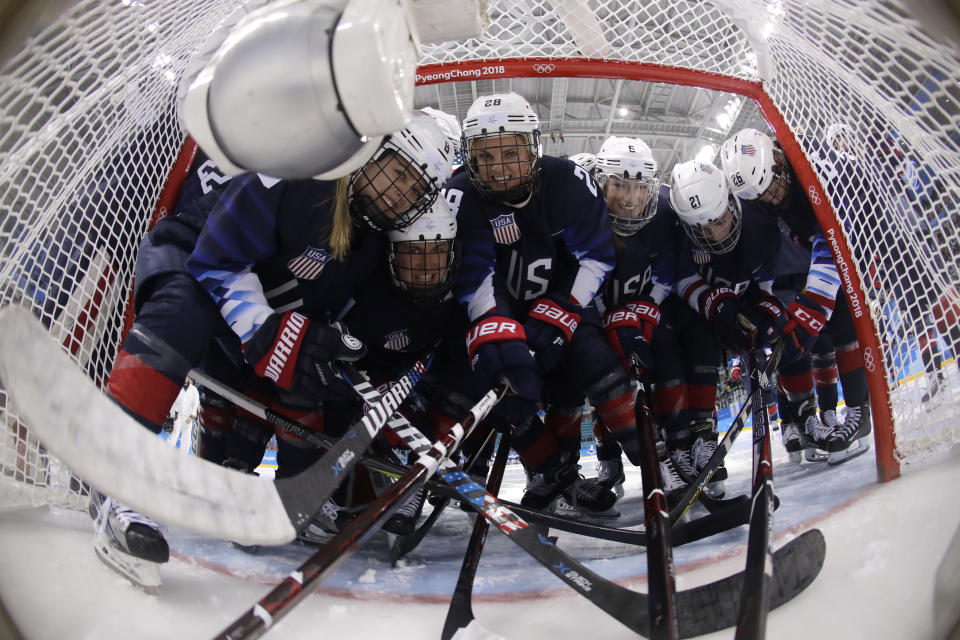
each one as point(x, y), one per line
point(102, 444)
point(406, 544)
point(754, 603)
point(295, 587)
point(727, 515)
point(693, 491)
point(663, 620)
point(719, 600)
point(460, 613)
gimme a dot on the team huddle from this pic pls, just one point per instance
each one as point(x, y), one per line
point(568, 281)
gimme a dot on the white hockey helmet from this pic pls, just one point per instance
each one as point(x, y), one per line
point(346, 79)
point(493, 123)
point(425, 147)
point(708, 212)
point(628, 174)
point(586, 160)
point(448, 124)
point(423, 256)
point(750, 163)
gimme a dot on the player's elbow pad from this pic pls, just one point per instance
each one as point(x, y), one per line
point(299, 90)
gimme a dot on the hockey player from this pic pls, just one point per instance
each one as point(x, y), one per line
point(184, 412)
point(231, 268)
point(536, 248)
point(757, 170)
point(725, 275)
point(644, 228)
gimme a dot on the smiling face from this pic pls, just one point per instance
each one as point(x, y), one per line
point(391, 184)
point(502, 161)
point(422, 263)
point(626, 197)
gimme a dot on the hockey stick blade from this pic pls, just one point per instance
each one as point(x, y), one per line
point(714, 606)
point(460, 613)
point(103, 445)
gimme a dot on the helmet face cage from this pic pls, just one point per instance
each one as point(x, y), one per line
point(627, 172)
point(423, 269)
point(390, 191)
point(632, 202)
point(719, 234)
point(504, 166)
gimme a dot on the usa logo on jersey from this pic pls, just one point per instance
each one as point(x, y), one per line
point(309, 264)
point(397, 341)
point(505, 229)
point(748, 150)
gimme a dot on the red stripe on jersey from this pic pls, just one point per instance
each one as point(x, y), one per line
point(671, 400)
point(849, 358)
point(618, 414)
point(702, 397)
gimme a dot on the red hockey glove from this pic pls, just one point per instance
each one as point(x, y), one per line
point(723, 310)
point(806, 320)
point(629, 329)
point(550, 325)
point(295, 353)
point(498, 349)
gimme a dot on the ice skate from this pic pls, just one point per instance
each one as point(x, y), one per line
point(588, 495)
point(129, 543)
point(934, 385)
point(404, 521)
point(326, 523)
point(814, 434)
point(683, 464)
point(673, 484)
point(704, 446)
point(610, 475)
point(790, 437)
point(852, 437)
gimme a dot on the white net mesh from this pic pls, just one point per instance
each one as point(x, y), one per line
point(88, 136)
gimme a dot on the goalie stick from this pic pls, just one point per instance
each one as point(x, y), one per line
point(460, 613)
point(724, 446)
point(102, 444)
point(700, 610)
point(754, 603)
point(295, 587)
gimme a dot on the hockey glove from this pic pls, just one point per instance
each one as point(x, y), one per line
point(723, 310)
point(806, 319)
point(768, 317)
point(629, 330)
point(498, 349)
point(550, 325)
point(295, 353)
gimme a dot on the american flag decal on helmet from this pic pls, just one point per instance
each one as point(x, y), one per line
point(309, 264)
point(397, 340)
point(505, 229)
point(748, 150)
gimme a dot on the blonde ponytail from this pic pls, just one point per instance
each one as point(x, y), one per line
point(340, 233)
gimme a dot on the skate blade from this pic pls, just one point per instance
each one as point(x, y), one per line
point(561, 507)
point(143, 574)
point(715, 490)
point(855, 449)
point(815, 455)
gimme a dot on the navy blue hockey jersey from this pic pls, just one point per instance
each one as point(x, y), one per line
point(557, 242)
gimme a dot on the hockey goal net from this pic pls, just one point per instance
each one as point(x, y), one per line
point(88, 138)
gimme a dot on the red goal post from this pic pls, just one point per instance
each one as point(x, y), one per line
point(888, 466)
point(89, 139)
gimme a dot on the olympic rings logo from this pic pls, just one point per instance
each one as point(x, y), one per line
point(868, 360)
point(544, 68)
point(814, 195)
